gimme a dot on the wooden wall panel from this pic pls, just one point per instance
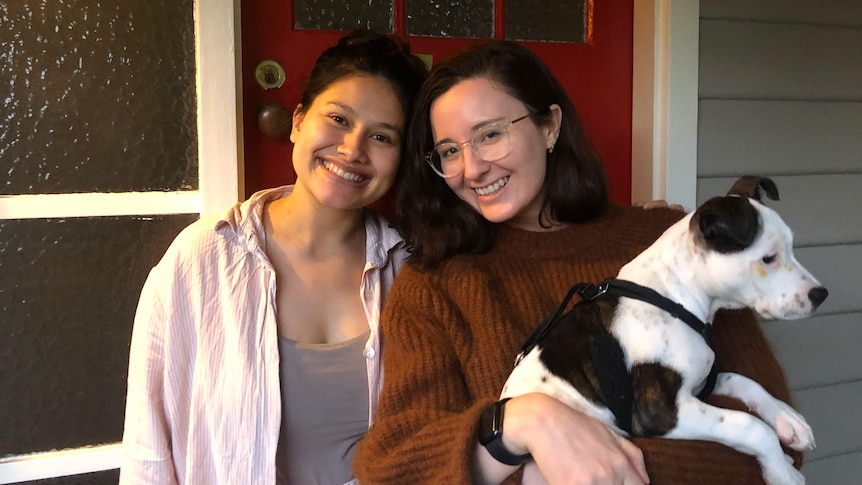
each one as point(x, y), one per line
point(745, 60)
point(780, 94)
point(820, 209)
point(834, 470)
point(833, 413)
point(778, 137)
point(832, 12)
point(839, 268)
point(818, 351)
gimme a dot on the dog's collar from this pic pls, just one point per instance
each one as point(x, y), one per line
point(618, 287)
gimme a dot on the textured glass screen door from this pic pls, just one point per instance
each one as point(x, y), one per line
point(99, 151)
point(587, 43)
point(101, 102)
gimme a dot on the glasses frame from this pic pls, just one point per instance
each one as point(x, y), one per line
point(505, 127)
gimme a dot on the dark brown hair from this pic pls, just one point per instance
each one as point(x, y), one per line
point(363, 52)
point(434, 220)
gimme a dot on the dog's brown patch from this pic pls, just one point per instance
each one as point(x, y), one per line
point(565, 348)
point(654, 410)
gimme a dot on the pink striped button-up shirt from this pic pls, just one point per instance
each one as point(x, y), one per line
point(203, 403)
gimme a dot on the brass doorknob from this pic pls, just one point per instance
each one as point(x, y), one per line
point(274, 120)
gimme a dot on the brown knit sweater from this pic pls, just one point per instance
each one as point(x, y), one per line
point(451, 334)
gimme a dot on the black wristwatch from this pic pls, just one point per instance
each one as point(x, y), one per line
point(491, 435)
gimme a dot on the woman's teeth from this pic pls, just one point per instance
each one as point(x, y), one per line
point(353, 177)
point(490, 189)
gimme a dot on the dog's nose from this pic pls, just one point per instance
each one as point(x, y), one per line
point(817, 295)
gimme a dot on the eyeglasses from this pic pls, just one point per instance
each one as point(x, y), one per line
point(490, 143)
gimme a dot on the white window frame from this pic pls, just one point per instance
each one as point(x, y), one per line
point(219, 109)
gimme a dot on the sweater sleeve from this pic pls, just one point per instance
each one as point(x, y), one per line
point(425, 430)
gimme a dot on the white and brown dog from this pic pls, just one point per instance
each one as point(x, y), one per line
point(637, 354)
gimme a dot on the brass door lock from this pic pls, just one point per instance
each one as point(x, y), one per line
point(269, 74)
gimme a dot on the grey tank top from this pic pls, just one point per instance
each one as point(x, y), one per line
point(324, 396)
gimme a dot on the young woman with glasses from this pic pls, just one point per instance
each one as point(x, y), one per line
point(507, 208)
point(255, 354)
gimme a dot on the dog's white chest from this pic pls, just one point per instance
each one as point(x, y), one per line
point(649, 334)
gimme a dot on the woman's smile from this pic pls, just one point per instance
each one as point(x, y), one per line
point(492, 188)
point(349, 176)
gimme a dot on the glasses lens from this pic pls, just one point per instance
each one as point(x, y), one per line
point(433, 159)
point(445, 159)
point(492, 143)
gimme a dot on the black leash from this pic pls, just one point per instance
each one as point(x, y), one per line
point(606, 350)
point(587, 291)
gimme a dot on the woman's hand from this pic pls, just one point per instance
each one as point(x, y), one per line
point(654, 204)
point(569, 447)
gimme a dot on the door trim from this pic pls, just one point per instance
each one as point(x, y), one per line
point(39, 466)
point(664, 101)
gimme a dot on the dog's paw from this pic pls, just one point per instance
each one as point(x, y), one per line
point(782, 472)
point(793, 430)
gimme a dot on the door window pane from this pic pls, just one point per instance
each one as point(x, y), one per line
point(68, 293)
point(101, 96)
point(547, 20)
point(344, 15)
point(466, 18)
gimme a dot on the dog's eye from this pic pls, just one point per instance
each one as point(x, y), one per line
point(768, 259)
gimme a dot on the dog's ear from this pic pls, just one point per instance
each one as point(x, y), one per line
point(754, 187)
point(725, 224)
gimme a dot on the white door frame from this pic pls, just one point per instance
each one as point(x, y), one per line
point(664, 101)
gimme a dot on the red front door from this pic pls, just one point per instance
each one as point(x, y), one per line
point(596, 74)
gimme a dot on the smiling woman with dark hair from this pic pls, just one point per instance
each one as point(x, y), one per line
point(507, 209)
point(255, 355)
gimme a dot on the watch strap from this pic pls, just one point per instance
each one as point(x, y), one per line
point(494, 441)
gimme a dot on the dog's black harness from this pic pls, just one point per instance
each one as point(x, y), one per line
point(607, 355)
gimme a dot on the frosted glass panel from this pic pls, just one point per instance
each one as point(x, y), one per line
point(68, 293)
point(547, 20)
point(344, 15)
point(97, 96)
point(467, 18)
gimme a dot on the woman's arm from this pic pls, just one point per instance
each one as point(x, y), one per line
point(425, 429)
point(147, 455)
point(567, 445)
point(435, 390)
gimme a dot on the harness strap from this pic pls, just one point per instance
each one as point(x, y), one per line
point(606, 352)
point(587, 291)
point(628, 289)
